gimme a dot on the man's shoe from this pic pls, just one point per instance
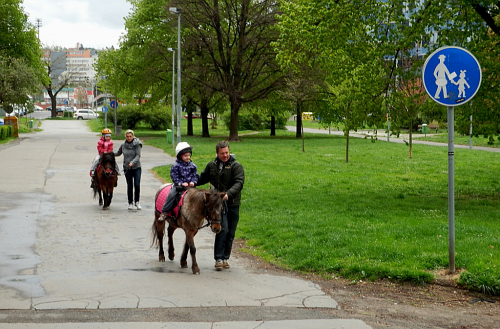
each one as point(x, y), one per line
point(138, 206)
point(130, 206)
point(225, 264)
point(219, 265)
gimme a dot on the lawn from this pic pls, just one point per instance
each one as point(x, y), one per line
point(382, 215)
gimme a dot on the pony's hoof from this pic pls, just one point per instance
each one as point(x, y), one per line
point(184, 266)
point(162, 259)
point(105, 208)
point(196, 273)
point(101, 203)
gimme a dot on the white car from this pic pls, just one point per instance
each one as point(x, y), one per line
point(85, 114)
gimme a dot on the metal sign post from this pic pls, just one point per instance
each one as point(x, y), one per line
point(449, 88)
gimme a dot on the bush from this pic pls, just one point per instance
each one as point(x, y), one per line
point(255, 120)
point(157, 116)
point(6, 131)
point(127, 116)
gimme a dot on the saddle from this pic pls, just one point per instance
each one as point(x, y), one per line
point(162, 197)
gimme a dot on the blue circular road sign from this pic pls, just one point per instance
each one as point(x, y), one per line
point(113, 104)
point(104, 109)
point(452, 76)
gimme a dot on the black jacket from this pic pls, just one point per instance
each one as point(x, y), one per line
point(226, 177)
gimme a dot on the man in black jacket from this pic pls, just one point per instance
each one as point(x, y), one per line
point(225, 174)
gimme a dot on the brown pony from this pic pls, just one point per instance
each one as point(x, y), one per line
point(105, 179)
point(198, 205)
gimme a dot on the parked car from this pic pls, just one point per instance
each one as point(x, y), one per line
point(1, 122)
point(38, 108)
point(85, 114)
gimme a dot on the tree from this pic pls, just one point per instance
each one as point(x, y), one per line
point(58, 77)
point(20, 65)
point(236, 36)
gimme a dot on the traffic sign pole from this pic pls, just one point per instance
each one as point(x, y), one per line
point(451, 189)
point(453, 79)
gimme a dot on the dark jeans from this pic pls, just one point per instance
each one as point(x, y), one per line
point(133, 177)
point(224, 239)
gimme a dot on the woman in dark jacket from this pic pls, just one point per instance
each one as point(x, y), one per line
point(131, 150)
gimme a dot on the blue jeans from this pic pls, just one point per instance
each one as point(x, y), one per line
point(224, 239)
point(133, 177)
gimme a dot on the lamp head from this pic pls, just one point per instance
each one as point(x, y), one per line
point(175, 10)
point(170, 49)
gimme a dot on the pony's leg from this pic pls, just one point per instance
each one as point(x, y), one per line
point(100, 197)
point(185, 250)
point(192, 251)
point(171, 253)
point(106, 200)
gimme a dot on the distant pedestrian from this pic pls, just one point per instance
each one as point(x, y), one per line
point(225, 174)
point(131, 150)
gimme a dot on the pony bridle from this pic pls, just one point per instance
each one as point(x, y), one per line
point(209, 220)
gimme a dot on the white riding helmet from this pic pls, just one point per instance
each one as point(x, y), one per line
point(182, 148)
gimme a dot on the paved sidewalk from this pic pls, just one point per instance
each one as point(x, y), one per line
point(66, 263)
point(382, 136)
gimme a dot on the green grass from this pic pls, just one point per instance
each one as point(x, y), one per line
point(382, 215)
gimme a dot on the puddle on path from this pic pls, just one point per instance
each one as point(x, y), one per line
point(18, 230)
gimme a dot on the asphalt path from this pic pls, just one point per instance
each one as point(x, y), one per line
point(382, 136)
point(66, 263)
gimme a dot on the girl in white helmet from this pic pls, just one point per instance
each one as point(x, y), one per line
point(183, 173)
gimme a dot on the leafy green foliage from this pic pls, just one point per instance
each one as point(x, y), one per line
point(6, 131)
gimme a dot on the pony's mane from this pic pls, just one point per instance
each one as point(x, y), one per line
point(108, 157)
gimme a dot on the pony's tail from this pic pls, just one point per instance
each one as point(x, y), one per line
point(95, 189)
point(154, 233)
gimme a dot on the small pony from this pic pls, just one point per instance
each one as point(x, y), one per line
point(105, 180)
point(197, 206)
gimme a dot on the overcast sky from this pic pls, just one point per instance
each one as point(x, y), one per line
point(93, 23)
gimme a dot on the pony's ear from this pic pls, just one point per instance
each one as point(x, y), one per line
point(206, 196)
point(222, 194)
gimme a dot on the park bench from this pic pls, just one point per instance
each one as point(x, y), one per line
point(431, 127)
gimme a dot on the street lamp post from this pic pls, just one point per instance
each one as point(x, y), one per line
point(173, 94)
point(177, 11)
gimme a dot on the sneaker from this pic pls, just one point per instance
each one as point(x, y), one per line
point(225, 264)
point(130, 206)
point(219, 265)
point(138, 206)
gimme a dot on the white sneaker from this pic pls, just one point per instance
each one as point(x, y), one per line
point(130, 206)
point(138, 206)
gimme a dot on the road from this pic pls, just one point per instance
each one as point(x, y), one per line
point(66, 263)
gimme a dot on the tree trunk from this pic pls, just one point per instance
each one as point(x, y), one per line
point(233, 126)
point(346, 132)
point(298, 127)
point(273, 125)
point(347, 147)
point(53, 101)
point(204, 118)
point(410, 135)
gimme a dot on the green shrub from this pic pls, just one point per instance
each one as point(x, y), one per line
point(158, 117)
point(6, 131)
point(255, 120)
point(127, 116)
